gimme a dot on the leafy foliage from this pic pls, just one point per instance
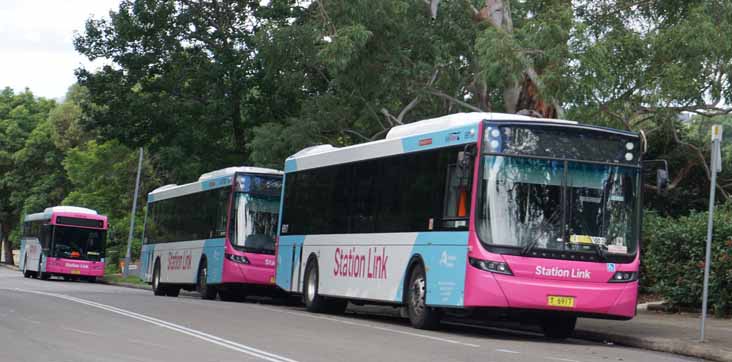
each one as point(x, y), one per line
point(674, 253)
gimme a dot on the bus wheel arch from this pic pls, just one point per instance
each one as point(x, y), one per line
point(207, 291)
point(420, 315)
point(314, 302)
point(157, 286)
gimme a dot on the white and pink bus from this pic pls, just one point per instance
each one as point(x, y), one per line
point(65, 241)
point(498, 214)
point(215, 235)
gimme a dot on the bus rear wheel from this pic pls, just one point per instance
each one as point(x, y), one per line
point(558, 326)
point(207, 291)
point(157, 287)
point(421, 315)
point(315, 302)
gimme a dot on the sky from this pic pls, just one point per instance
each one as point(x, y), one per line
point(36, 43)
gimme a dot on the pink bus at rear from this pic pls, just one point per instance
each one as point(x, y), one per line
point(64, 241)
point(493, 214)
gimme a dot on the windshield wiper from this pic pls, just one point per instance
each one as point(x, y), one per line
point(601, 254)
point(530, 246)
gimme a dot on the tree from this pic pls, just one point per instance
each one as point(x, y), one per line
point(102, 176)
point(182, 79)
point(371, 65)
point(645, 66)
point(23, 154)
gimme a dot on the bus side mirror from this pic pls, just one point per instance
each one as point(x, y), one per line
point(661, 175)
point(661, 181)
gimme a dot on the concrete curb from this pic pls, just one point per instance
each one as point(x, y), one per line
point(675, 346)
point(7, 266)
point(125, 285)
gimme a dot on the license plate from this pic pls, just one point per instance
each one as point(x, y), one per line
point(76, 272)
point(557, 301)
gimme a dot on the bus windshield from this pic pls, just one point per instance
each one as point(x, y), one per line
point(558, 205)
point(254, 223)
point(78, 243)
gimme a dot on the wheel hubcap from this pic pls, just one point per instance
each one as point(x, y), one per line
point(418, 296)
point(156, 279)
point(202, 278)
point(311, 286)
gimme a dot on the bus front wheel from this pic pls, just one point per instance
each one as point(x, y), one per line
point(558, 326)
point(42, 275)
point(157, 286)
point(315, 302)
point(207, 291)
point(421, 315)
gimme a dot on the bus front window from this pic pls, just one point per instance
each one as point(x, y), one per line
point(78, 243)
point(558, 205)
point(254, 223)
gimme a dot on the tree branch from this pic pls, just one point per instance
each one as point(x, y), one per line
point(454, 100)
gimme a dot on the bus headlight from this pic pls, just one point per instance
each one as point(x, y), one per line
point(491, 266)
point(237, 259)
point(623, 277)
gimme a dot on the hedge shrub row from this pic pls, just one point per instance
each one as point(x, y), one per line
point(673, 259)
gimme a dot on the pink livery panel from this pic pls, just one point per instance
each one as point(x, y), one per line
point(73, 267)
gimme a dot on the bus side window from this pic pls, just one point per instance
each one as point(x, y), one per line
point(45, 236)
point(457, 194)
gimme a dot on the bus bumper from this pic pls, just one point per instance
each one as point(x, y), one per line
point(71, 267)
point(247, 274)
point(614, 300)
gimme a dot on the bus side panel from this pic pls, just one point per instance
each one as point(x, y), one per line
point(445, 255)
point(374, 266)
point(147, 260)
point(30, 248)
point(179, 261)
point(214, 251)
point(21, 264)
point(288, 262)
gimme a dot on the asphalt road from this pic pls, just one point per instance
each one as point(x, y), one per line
point(74, 321)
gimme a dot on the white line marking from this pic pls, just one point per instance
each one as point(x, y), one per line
point(507, 351)
point(174, 327)
point(80, 331)
point(561, 359)
point(144, 343)
point(373, 326)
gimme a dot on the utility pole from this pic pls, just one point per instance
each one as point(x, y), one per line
point(715, 168)
point(126, 269)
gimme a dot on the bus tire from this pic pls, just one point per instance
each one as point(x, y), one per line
point(313, 301)
point(557, 326)
point(172, 291)
point(42, 275)
point(420, 315)
point(207, 291)
point(157, 287)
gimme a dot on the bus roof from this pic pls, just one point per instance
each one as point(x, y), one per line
point(49, 211)
point(207, 181)
point(449, 130)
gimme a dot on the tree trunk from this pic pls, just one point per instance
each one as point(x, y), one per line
point(7, 244)
point(517, 96)
point(236, 123)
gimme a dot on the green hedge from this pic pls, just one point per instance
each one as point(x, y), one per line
point(673, 259)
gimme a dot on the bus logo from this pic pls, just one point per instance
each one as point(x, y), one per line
point(353, 264)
